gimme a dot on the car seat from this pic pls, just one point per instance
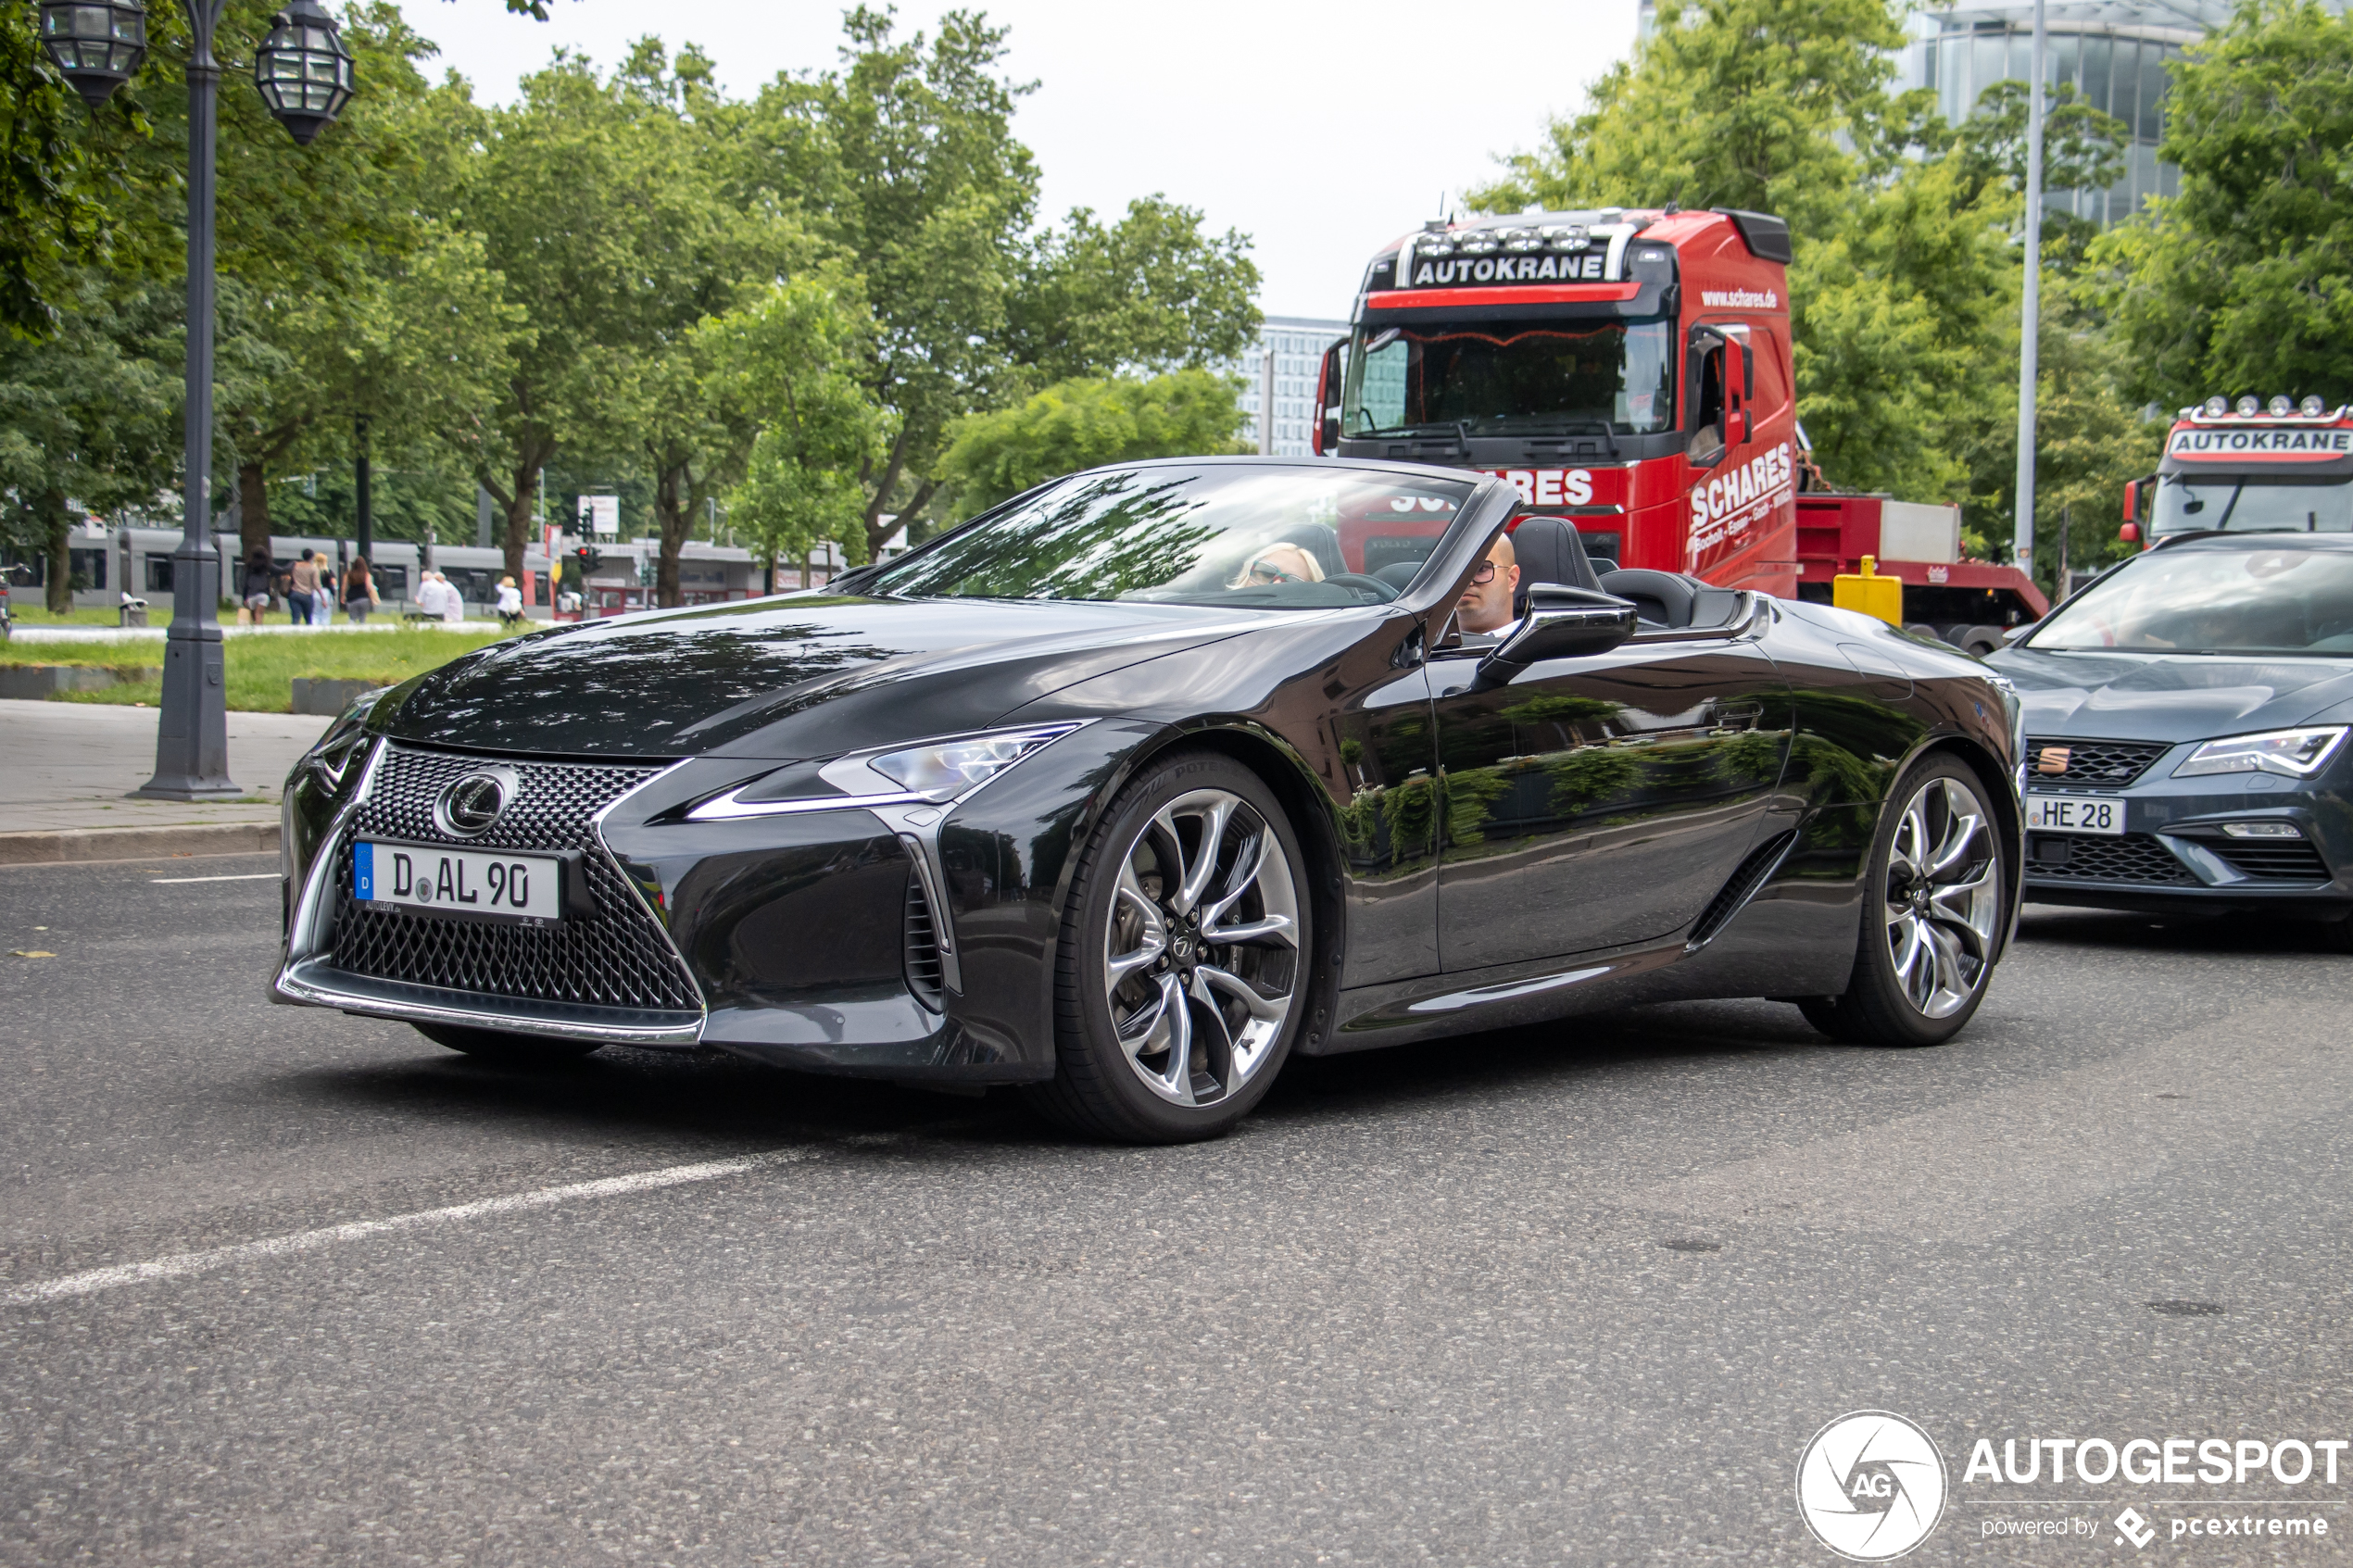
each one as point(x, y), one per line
point(1662, 598)
point(1551, 551)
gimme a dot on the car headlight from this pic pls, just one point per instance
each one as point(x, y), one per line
point(346, 740)
point(2298, 754)
point(946, 769)
point(932, 773)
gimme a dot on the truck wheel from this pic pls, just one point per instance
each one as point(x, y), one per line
point(1981, 640)
point(1921, 629)
point(1932, 908)
point(1182, 977)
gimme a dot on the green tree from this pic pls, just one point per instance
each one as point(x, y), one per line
point(1081, 423)
point(787, 369)
point(2244, 282)
point(1151, 292)
point(904, 160)
point(86, 415)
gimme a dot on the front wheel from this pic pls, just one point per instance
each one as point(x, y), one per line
point(1932, 911)
point(1182, 974)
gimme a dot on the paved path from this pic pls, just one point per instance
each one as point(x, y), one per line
point(279, 1285)
point(67, 765)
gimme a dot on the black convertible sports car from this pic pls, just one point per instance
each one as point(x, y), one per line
point(1133, 787)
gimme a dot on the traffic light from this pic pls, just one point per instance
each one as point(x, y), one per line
point(586, 559)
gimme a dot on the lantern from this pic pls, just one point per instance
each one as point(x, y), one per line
point(97, 44)
point(303, 69)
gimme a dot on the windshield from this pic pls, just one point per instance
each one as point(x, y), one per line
point(1245, 534)
point(2188, 502)
point(2214, 601)
point(1502, 377)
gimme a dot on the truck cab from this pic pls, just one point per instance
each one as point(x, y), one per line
point(2248, 466)
point(1626, 371)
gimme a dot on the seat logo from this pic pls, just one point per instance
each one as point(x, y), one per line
point(1871, 1485)
point(474, 802)
point(2053, 760)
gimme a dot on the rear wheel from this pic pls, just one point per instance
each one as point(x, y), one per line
point(1981, 640)
point(508, 1050)
point(1181, 978)
point(1934, 903)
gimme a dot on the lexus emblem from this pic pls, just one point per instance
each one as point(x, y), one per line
point(474, 802)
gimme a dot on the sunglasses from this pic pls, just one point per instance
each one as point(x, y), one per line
point(1266, 572)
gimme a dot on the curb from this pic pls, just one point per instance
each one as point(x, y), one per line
point(136, 844)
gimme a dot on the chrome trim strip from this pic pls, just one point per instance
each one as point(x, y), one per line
point(296, 985)
point(728, 808)
point(660, 927)
point(302, 930)
point(923, 847)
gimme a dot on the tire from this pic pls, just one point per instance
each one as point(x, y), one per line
point(2336, 935)
point(1981, 640)
point(506, 1050)
point(1932, 911)
point(1163, 1033)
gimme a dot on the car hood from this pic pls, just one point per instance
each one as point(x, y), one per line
point(792, 678)
point(2168, 696)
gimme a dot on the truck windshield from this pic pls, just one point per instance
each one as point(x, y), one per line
point(1511, 377)
point(2188, 503)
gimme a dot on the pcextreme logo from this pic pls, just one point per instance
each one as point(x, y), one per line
point(1871, 1485)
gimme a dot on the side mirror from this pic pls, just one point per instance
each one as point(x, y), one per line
point(1322, 438)
point(2132, 505)
point(1560, 623)
point(2130, 534)
point(2016, 633)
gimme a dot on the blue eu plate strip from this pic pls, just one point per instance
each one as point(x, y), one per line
point(363, 870)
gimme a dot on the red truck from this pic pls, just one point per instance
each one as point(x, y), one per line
point(2248, 466)
point(1629, 371)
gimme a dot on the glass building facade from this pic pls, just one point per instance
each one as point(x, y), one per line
point(1297, 344)
point(2112, 53)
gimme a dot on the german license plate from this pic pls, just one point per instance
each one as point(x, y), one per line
point(2097, 814)
point(457, 882)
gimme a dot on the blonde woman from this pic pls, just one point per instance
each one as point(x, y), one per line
point(509, 604)
point(1276, 563)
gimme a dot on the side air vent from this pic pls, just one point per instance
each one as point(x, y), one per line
point(1740, 890)
point(923, 949)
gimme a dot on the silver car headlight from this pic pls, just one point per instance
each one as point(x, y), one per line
point(2295, 753)
point(935, 773)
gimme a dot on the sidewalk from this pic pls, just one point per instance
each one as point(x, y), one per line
point(66, 767)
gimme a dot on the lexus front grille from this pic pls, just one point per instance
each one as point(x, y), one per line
point(611, 954)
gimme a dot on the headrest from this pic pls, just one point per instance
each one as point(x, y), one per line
point(1551, 551)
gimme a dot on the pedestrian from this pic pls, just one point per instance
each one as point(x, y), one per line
point(358, 592)
point(453, 603)
point(260, 570)
point(303, 586)
point(509, 604)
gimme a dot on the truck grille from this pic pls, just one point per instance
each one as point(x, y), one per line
point(2093, 764)
point(616, 957)
point(2136, 857)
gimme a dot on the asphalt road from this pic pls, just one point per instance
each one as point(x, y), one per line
point(1570, 1295)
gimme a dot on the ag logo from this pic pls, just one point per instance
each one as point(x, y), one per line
point(1870, 1485)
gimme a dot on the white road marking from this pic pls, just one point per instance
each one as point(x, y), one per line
point(178, 1264)
point(249, 876)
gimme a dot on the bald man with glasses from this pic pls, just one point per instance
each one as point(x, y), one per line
point(1486, 607)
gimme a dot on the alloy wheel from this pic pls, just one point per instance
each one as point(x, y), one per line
point(1944, 897)
point(1201, 958)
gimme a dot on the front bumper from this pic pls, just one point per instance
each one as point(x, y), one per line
point(2173, 855)
point(834, 941)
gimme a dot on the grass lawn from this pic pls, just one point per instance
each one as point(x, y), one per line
point(24, 606)
point(262, 669)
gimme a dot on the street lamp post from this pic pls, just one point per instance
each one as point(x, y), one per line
point(303, 74)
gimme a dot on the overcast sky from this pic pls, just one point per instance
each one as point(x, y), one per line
point(1319, 129)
